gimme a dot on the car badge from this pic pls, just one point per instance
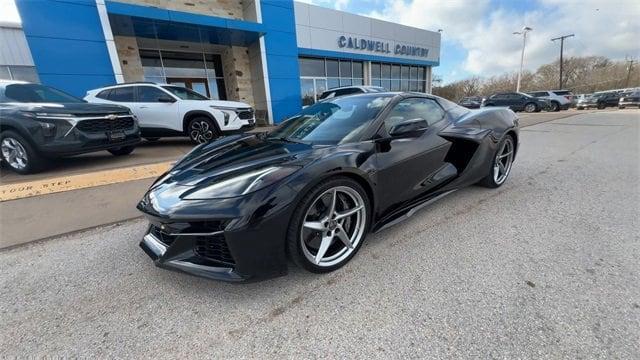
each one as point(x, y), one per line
point(112, 117)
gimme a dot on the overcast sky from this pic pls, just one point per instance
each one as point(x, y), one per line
point(477, 37)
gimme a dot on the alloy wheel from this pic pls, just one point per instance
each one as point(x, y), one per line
point(530, 108)
point(14, 153)
point(200, 131)
point(503, 162)
point(333, 226)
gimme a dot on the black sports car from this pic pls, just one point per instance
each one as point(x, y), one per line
point(235, 209)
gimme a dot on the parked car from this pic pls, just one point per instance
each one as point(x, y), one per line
point(600, 100)
point(631, 98)
point(39, 122)
point(313, 188)
point(471, 102)
point(349, 90)
point(169, 110)
point(558, 99)
point(516, 101)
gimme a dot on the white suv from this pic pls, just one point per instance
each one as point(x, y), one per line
point(169, 110)
point(558, 99)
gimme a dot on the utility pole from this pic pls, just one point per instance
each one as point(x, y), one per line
point(626, 83)
point(561, 38)
point(524, 32)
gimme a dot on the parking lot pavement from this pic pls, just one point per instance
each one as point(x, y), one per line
point(546, 266)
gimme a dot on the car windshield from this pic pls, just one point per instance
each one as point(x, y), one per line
point(337, 121)
point(184, 93)
point(35, 93)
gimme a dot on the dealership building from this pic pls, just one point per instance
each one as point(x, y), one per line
point(276, 55)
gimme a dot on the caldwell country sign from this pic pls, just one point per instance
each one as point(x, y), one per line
point(381, 46)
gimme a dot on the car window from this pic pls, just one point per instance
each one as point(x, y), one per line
point(104, 94)
point(414, 108)
point(327, 95)
point(342, 92)
point(562, 92)
point(539, 94)
point(149, 94)
point(455, 110)
point(122, 94)
point(184, 93)
point(334, 121)
point(499, 96)
point(35, 93)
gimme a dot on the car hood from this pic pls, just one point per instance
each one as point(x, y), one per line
point(220, 103)
point(236, 154)
point(68, 108)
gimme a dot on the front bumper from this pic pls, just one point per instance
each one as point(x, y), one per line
point(80, 142)
point(629, 103)
point(233, 239)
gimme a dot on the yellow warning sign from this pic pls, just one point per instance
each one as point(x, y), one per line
point(80, 181)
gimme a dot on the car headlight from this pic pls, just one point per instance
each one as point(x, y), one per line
point(242, 184)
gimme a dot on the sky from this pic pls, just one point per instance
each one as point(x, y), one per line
point(478, 39)
point(477, 35)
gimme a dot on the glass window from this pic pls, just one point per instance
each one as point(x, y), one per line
point(307, 89)
point(4, 73)
point(336, 121)
point(149, 94)
point(404, 72)
point(24, 73)
point(395, 71)
point(404, 85)
point(321, 86)
point(357, 69)
point(375, 70)
point(375, 82)
point(36, 93)
point(345, 69)
point(385, 71)
point(311, 67)
point(413, 85)
point(332, 68)
point(122, 94)
point(104, 94)
point(413, 73)
point(386, 83)
point(414, 108)
point(421, 73)
point(345, 82)
point(333, 83)
point(356, 82)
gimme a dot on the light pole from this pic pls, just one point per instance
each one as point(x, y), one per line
point(524, 32)
point(561, 38)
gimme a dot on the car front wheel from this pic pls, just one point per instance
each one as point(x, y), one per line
point(555, 106)
point(18, 153)
point(530, 107)
point(329, 225)
point(202, 130)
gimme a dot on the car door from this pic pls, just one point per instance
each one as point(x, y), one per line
point(407, 162)
point(156, 109)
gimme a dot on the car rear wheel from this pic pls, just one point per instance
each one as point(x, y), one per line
point(530, 107)
point(202, 130)
point(121, 151)
point(601, 106)
point(18, 153)
point(329, 225)
point(501, 164)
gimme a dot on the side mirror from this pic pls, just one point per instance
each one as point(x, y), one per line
point(166, 99)
point(409, 126)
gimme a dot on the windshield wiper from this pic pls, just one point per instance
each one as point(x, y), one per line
point(289, 140)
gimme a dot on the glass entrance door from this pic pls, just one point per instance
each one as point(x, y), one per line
point(195, 84)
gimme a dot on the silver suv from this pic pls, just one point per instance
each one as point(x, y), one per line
point(558, 99)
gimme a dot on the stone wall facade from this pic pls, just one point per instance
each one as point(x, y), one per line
point(129, 56)
point(237, 74)
point(232, 9)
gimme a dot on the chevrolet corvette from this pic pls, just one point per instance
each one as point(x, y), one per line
point(242, 207)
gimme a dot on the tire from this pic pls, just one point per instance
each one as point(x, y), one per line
point(121, 151)
point(305, 242)
point(152, 139)
point(18, 154)
point(530, 107)
point(580, 108)
point(601, 106)
point(555, 106)
point(201, 130)
point(491, 180)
